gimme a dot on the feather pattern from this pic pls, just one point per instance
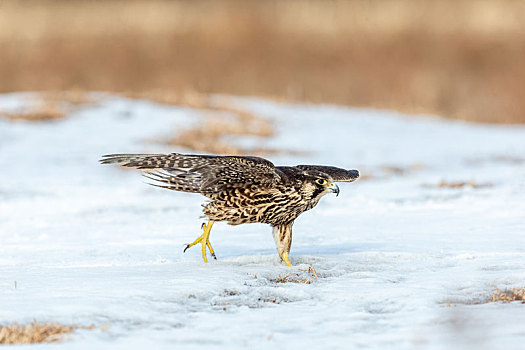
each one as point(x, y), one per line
point(199, 173)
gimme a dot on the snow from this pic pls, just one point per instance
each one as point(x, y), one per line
point(400, 262)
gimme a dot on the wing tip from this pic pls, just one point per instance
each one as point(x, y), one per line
point(354, 174)
point(110, 158)
point(338, 174)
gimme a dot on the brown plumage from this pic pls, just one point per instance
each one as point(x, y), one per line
point(241, 189)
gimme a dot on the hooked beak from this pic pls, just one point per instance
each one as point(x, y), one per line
point(334, 188)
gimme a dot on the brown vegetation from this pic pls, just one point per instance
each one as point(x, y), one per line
point(307, 278)
point(49, 106)
point(497, 295)
point(42, 112)
point(460, 59)
point(210, 137)
point(223, 120)
point(36, 333)
point(508, 295)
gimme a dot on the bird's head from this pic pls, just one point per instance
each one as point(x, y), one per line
point(318, 184)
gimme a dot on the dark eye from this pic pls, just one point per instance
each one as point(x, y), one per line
point(321, 182)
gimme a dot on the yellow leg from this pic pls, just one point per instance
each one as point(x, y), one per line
point(282, 234)
point(204, 240)
point(286, 259)
point(211, 250)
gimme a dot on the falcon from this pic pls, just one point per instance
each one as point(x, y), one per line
point(241, 189)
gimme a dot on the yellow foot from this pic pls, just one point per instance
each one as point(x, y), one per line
point(286, 259)
point(204, 240)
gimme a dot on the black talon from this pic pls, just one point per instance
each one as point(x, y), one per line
point(187, 246)
point(213, 255)
point(203, 226)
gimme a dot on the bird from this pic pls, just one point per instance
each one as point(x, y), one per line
point(241, 189)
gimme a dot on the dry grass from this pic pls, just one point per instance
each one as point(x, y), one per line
point(460, 59)
point(212, 136)
point(505, 296)
point(36, 333)
point(498, 295)
point(222, 122)
point(508, 295)
point(245, 123)
point(311, 275)
point(273, 300)
point(51, 105)
point(42, 112)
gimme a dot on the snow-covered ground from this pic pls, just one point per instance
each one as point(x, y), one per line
point(400, 262)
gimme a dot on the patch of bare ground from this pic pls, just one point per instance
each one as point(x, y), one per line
point(459, 184)
point(41, 112)
point(507, 295)
point(36, 333)
point(496, 295)
point(222, 121)
point(51, 105)
point(211, 137)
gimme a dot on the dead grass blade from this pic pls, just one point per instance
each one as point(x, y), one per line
point(507, 295)
point(221, 123)
point(36, 333)
point(51, 105)
point(311, 275)
point(42, 112)
point(497, 295)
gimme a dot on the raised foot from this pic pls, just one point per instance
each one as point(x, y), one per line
point(204, 241)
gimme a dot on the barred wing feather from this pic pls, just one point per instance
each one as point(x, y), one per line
point(199, 173)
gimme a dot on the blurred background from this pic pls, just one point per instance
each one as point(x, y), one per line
point(458, 59)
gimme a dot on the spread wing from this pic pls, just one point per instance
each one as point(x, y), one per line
point(338, 174)
point(199, 173)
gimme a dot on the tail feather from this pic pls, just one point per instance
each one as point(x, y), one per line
point(174, 183)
